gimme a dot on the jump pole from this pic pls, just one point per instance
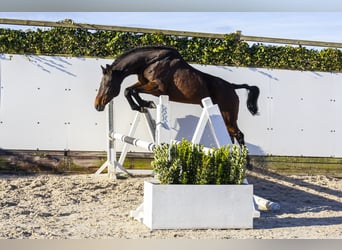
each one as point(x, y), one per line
point(134, 141)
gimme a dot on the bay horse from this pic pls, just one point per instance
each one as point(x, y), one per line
point(162, 71)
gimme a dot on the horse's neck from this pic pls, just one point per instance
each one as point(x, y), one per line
point(129, 67)
point(136, 63)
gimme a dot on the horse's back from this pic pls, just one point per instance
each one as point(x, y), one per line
point(184, 82)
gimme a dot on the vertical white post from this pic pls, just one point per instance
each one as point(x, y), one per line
point(163, 120)
point(111, 147)
point(111, 153)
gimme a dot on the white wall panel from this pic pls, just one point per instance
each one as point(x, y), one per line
point(40, 96)
point(334, 126)
point(47, 103)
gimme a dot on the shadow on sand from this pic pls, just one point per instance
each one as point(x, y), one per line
point(296, 197)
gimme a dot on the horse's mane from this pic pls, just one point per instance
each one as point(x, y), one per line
point(142, 49)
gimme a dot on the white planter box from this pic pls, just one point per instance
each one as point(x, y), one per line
point(197, 206)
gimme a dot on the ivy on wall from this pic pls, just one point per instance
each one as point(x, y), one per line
point(230, 51)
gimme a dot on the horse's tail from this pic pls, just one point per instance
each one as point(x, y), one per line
point(252, 99)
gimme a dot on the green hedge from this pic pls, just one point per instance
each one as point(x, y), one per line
point(187, 163)
point(230, 51)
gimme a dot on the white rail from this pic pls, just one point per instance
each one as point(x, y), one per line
point(134, 141)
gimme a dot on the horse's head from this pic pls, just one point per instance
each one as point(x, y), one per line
point(109, 87)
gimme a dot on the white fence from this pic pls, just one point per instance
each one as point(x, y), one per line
point(46, 103)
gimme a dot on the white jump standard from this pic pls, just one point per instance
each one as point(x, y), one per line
point(112, 164)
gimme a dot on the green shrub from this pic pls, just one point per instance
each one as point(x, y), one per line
point(230, 50)
point(187, 163)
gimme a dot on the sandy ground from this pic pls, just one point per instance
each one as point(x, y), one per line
point(88, 207)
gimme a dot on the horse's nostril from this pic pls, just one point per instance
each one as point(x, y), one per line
point(97, 107)
point(97, 104)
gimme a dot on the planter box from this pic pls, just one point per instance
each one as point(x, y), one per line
point(197, 206)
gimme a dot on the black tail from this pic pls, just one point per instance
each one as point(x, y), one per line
point(252, 99)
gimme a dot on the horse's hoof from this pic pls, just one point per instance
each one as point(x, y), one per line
point(142, 110)
point(139, 109)
point(152, 105)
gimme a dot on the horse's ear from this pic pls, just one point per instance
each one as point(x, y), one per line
point(103, 69)
point(108, 67)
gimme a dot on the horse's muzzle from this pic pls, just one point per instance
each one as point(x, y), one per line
point(99, 107)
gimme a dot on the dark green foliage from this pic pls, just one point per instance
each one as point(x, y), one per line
point(230, 51)
point(187, 163)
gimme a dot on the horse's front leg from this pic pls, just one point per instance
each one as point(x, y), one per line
point(133, 92)
point(142, 102)
point(153, 88)
point(129, 93)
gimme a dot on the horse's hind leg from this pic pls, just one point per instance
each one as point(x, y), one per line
point(240, 138)
point(232, 127)
point(235, 132)
point(230, 120)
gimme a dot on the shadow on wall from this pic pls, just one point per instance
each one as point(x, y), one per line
point(185, 128)
point(255, 149)
point(264, 73)
point(56, 63)
point(5, 57)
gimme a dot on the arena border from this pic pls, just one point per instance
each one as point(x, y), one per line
point(86, 162)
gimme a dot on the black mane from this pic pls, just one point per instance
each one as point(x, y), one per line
point(142, 49)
